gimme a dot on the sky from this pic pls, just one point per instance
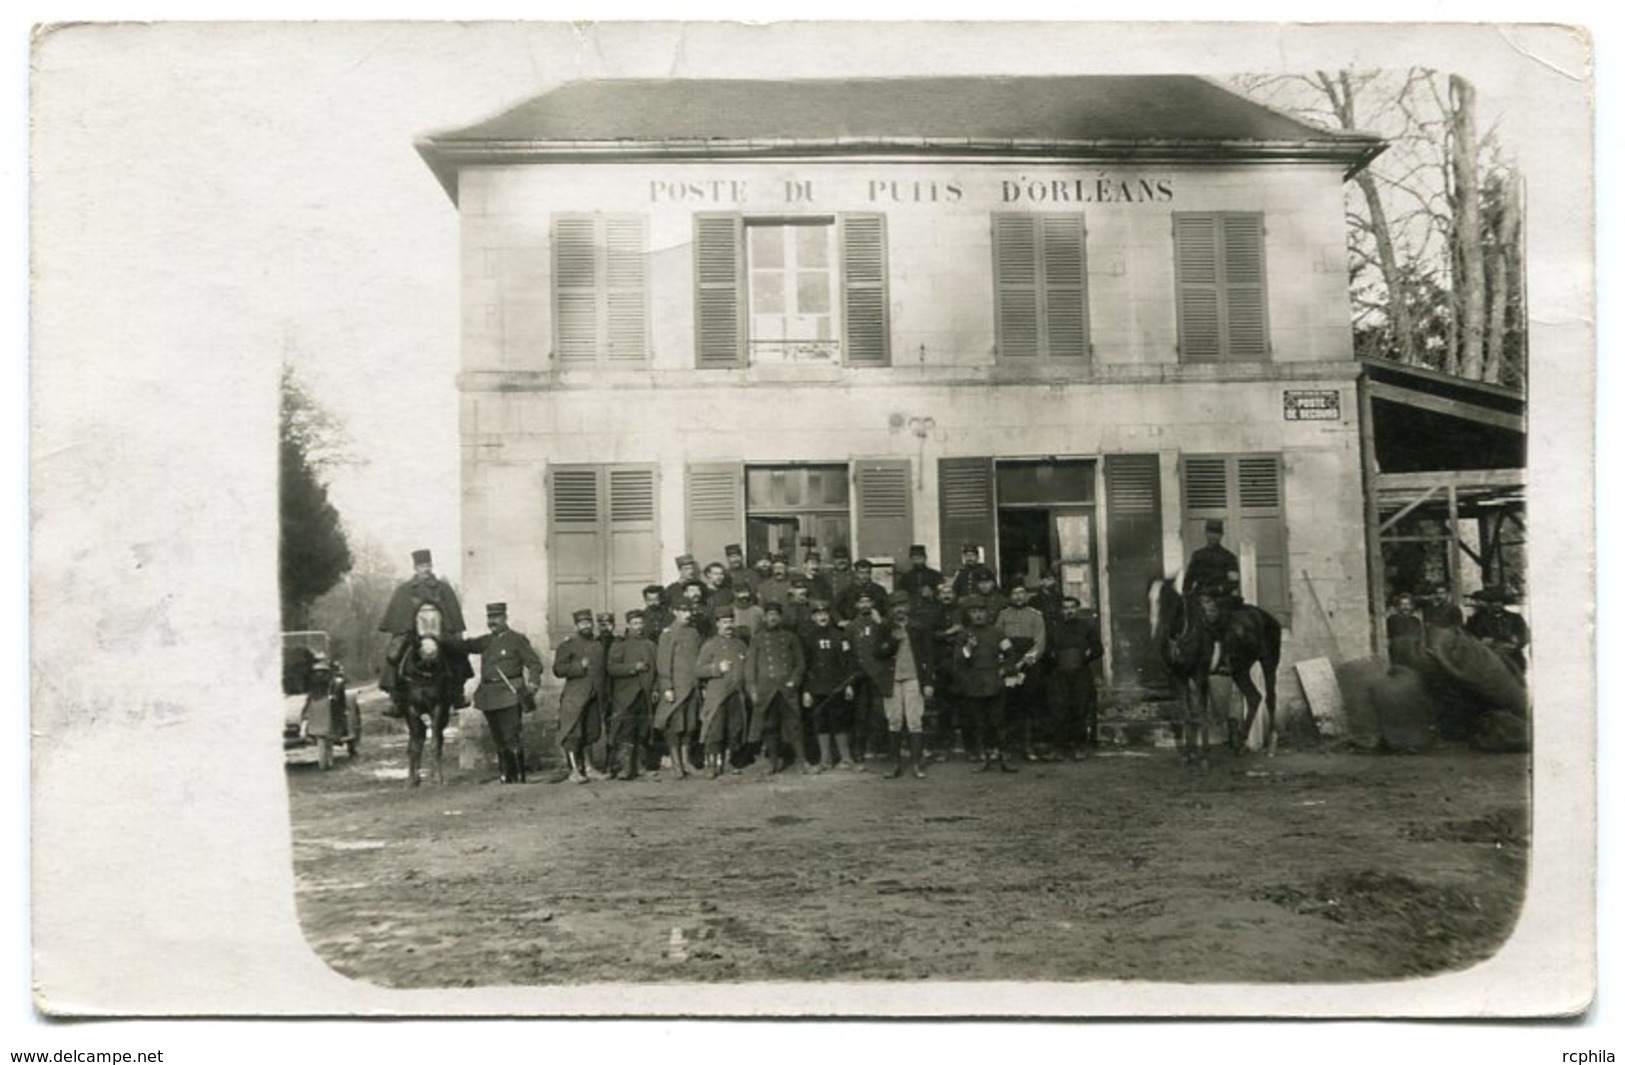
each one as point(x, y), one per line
point(216, 197)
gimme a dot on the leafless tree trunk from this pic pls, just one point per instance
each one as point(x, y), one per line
point(1504, 269)
point(1341, 95)
point(1470, 252)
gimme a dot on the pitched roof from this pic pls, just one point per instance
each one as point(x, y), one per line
point(1141, 117)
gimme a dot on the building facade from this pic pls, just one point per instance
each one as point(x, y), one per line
point(1068, 319)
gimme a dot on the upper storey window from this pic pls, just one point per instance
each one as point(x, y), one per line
point(600, 289)
point(790, 289)
point(1041, 280)
point(1219, 274)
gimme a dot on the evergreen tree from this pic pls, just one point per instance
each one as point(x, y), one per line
point(315, 553)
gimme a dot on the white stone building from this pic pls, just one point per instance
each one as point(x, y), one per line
point(1068, 318)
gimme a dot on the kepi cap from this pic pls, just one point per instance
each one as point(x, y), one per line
point(1213, 525)
point(421, 556)
point(581, 615)
point(493, 609)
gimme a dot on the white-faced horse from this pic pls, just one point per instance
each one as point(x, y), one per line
point(424, 685)
point(1199, 636)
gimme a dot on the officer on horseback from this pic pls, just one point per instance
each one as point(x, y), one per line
point(423, 606)
point(1214, 568)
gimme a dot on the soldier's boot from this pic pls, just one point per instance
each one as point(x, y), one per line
point(713, 761)
point(679, 757)
point(775, 759)
point(916, 747)
point(519, 764)
point(825, 762)
point(1004, 767)
point(843, 747)
point(504, 768)
point(895, 741)
point(414, 765)
point(987, 759)
point(798, 751)
point(629, 762)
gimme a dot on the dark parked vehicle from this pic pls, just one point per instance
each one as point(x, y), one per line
point(317, 710)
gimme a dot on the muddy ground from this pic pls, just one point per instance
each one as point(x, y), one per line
point(1318, 864)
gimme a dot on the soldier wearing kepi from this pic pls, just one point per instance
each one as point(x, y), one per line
point(736, 575)
point(580, 662)
point(828, 695)
point(981, 682)
point(722, 710)
point(687, 570)
point(919, 574)
point(1074, 648)
point(605, 635)
point(905, 682)
point(774, 667)
point(970, 560)
point(677, 714)
point(424, 606)
point(510, 670)
point(631, 669)
point(1213, 568)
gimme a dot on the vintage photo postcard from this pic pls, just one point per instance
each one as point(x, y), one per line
point(893, 520)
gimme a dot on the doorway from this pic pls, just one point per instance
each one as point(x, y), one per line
point(1046, 523)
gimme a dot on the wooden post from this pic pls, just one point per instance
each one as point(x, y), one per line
point(1374, 572)
point(1455, 547)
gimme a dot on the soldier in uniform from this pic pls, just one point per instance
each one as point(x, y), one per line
point(747, 615)
point(970, 560)
point(959, 727)
point(687, 570)
point(1213, 568)
point(760, 571)
point(866, 634)
point(905, 682)
point(736, 576)
point(580, 662)
point(510, 671)
point(840, 571)
point(828, 685)
point(717, 592)
point(700, 609)
point(986, 588)
point(981, 680)
point(812, 568)
point(776, 588)
point(846, 607)
point(404, 618)
point(656, 615)
point(1023, 641)
point(919, 574)
point(1505, 632)
point(774, 667)
point(677, 714)
point(722, 709)
point(631, 669)
point(1074, 648)
point(604, 633)
point(798, 607)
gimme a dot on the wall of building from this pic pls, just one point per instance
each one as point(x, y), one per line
point(519, 413)
point(939, 241)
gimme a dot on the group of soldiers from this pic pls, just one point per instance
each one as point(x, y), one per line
point(1503, 631)
point(814, 670)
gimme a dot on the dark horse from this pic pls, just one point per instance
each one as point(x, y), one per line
point(1198, 637)
point(423, 688)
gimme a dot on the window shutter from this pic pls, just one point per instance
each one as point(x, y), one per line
point(1196, 277)
point(1262, 523)
point(863, 276)
point(1015, 274)
point(626, 271)
point(634, 541)
point(577, 552)
point(1066, 303)
point(1246, 333)
point(965, 506)
point(716, 509)
point(575, 289)
point(884, 493)
point(719, 303)
point(1133, 558)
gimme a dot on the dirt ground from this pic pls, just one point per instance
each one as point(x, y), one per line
point(1324, 865)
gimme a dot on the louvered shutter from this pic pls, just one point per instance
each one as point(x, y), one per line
point(716, 509)
point(575, 289)
point(965, 506)
point(1262, 523)
point(1196, 277)
point(575, 514)
point(719, 298)
point(865, 307)
point(1206, 483)
point(1133, 558)
point(634, 535)
point(885, 526)
point(1066, 304)
point(1015, 274)
point(1246, 333)
point(626, 273)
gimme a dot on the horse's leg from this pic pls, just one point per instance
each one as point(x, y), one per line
point(440, 721)
point(1204, 713)
point(414, 747)
point(1249, 692)
point(1269, 701)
